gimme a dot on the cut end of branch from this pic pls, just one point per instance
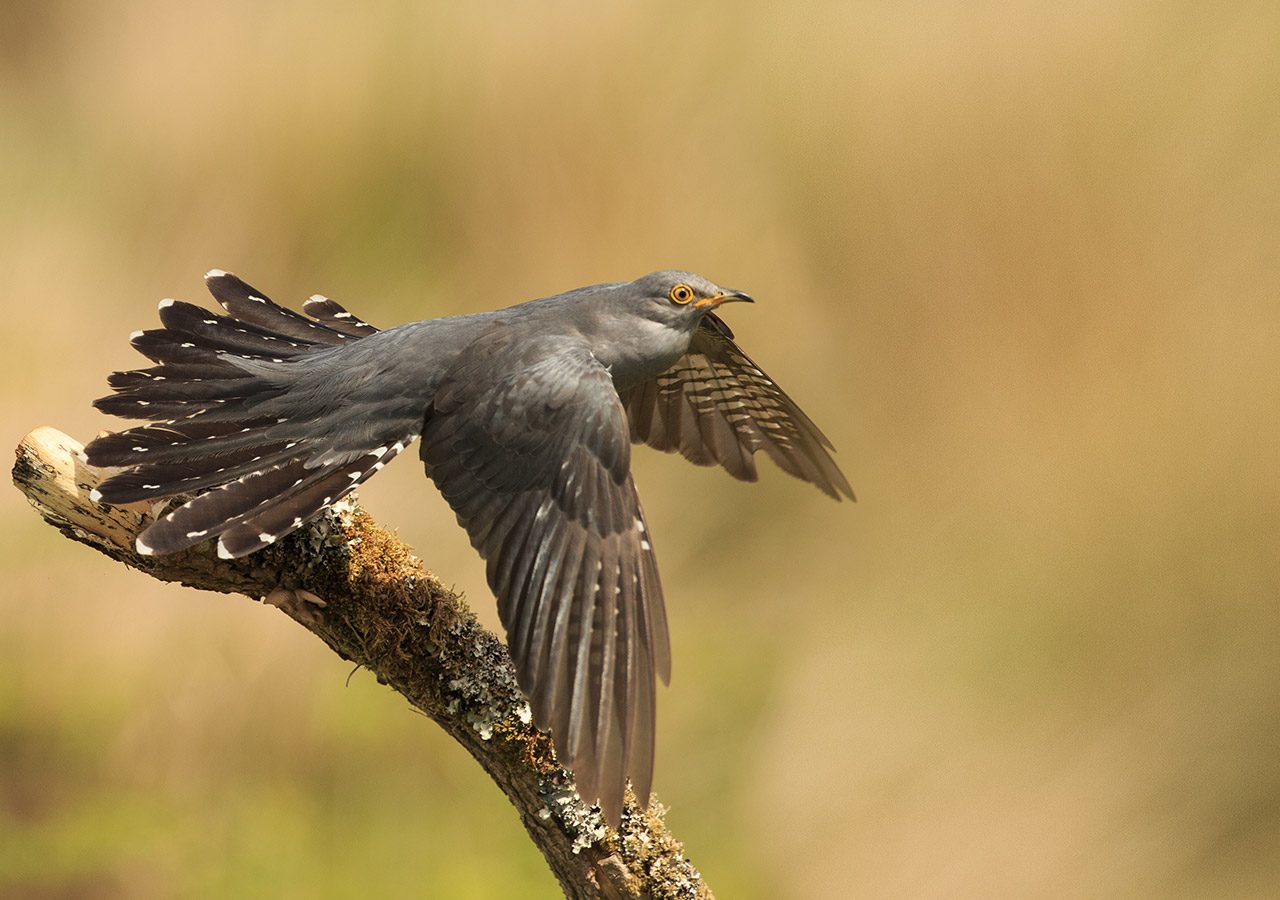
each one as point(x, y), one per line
point(50, 470)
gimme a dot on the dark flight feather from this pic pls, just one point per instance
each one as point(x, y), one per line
point(526, 439)
point(715, 406)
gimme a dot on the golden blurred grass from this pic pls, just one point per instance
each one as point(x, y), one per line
point(1018, 260)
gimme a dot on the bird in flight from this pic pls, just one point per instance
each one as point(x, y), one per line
point(525, 416)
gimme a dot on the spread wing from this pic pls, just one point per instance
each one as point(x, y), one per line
point(527, 441)
point(717, 407)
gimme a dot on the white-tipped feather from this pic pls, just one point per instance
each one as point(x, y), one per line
point(165, 303)
point(143, 548)
point(214, 273)
point(95, 496)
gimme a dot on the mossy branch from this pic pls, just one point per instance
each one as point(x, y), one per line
point(361, 591)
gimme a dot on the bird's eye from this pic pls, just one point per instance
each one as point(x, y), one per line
point(681, 294)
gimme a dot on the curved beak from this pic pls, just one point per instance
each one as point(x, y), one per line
point(723, 297)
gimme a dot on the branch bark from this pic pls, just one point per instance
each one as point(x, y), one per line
point(361, 591)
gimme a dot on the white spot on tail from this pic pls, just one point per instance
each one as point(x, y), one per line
point(197, 534)
point(143, 548)
point(223, 552)
point(215, 273)
point(134, 335)
point(95, 496)
point(165, 303)
point(266, 538)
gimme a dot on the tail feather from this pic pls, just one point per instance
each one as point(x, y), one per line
point(249, 305)
point(286, 513)
point(147, 482)
point(160, 410)
point(235, 415)
point(216, 400)
point(226, 333)
point(177, 347)
point(198, 389)
point(173, 442)
point(336, 317)
point(208, 515)
point(261, 506)
point(220, 370)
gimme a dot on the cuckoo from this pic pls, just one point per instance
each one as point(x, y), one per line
point(263, 417)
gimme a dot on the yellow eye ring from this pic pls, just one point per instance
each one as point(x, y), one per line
point(681, 294)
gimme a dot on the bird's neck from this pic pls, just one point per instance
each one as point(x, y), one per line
point(643, 352)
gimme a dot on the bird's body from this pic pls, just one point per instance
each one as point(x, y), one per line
point(526, 416)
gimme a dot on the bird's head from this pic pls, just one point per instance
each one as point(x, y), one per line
point(681, 299)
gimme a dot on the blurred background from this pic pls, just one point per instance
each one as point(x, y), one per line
point(1019, 260)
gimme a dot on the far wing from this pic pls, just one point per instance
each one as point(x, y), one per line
point(717, 407)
